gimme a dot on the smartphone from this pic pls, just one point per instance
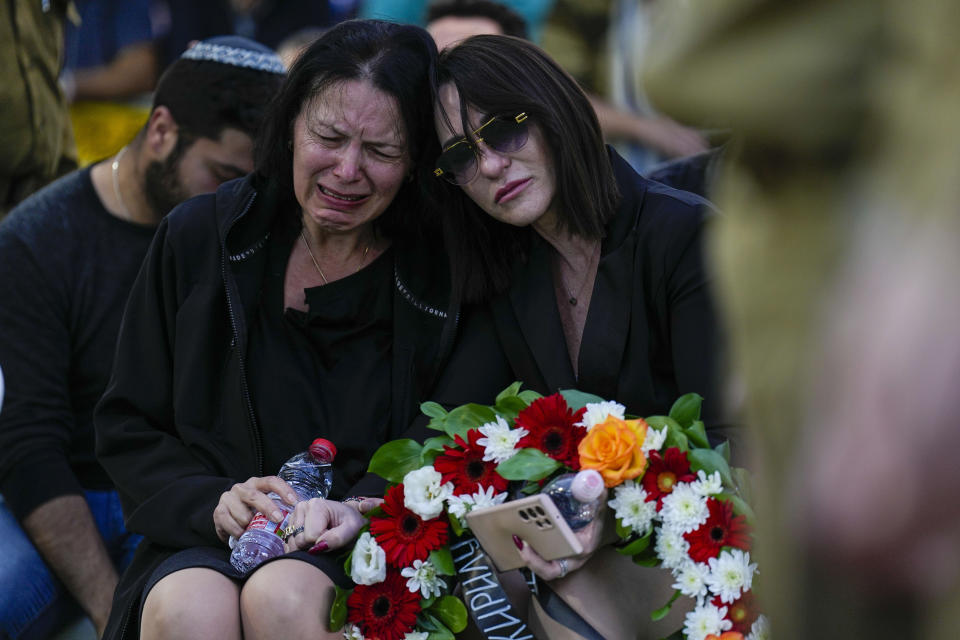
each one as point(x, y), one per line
point(535, 519)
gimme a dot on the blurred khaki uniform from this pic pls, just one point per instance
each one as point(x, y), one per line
point(838, 105)
point(36, 140)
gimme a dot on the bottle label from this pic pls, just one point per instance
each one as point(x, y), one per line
point(263, 523)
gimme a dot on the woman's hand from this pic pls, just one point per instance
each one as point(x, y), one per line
point(590, 536)
point(323, 524)
point(237, 506)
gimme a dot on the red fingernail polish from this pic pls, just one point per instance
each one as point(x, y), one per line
point(320, 547)
point(517, 541)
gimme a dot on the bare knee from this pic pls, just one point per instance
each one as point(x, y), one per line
point(287, 594)
point(173, 609)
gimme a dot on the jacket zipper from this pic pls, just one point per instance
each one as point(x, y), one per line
point(244, 389)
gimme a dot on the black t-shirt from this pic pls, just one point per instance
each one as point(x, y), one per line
point(325, 372)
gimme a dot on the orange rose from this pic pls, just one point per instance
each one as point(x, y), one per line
point(726, 635)
point(614, 448)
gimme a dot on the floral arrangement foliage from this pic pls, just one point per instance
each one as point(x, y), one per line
point(677, 502)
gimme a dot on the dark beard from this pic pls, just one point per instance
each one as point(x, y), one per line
point(162, 186)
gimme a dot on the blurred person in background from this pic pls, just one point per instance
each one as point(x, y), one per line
point(597, 42)
point(450, 21)
point(35, 131)
point(836, 264)
point(110, 68)
point(68, 256)
point(533, 12)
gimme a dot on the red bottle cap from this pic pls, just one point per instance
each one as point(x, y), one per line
point(324, 450)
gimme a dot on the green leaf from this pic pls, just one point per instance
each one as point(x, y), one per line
point(662, 612)
point(743, 482)
point(528, 464)
point(433, 410)
point(469, 416)
point(395, 459)
point(432, 447)
point(509, 392)
point(697, 434)
point(455, 524)
point(675, 435)
point(636, 546)
point(438, 631)
point(451, 612)
point(442, 559)
point(740, 507)
point(686, 409)
point(529, 396)
point(676, 635)
point(576, 400)
point(338, 610)
point(723, 449)
point(510, 408)
point(710, 461)
point(646, 561)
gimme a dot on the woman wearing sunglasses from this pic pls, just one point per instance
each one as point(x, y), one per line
point(576, 273)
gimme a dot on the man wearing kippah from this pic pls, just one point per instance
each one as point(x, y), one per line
point(68, 256)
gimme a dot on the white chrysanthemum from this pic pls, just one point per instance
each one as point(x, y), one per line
point(416, 635)
point(731, 574)
point(368, 564)
point(654, 440)
point(692, 580)
point(705, 620)
point(597, 412)
point(500, 441)
point(423, 492)
point(460, 506)
point(671, 548)
point(707, 485)
point(631, 507)
point(352, 632)
point(760, 629)
point(423, 577)
point(684, 508)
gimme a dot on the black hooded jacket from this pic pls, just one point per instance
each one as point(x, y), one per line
point(176, 426)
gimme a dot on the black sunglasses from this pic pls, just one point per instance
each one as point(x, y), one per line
point(457, 163)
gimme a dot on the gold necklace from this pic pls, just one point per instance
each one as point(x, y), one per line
point(115, 171)
point(306, 244)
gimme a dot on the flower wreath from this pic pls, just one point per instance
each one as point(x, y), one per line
point(678, 505)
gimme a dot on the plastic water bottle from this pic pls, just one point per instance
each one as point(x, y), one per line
point(577, 496)
point(310, 475)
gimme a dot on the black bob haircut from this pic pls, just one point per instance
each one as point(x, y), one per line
point(396, 59)
point(505, 75)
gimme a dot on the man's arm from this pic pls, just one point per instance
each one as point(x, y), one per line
point(64, 532)
point(659, 132)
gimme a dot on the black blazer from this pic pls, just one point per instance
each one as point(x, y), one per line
point(651, 330)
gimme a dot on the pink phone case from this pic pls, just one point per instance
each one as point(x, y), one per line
point(535, 519)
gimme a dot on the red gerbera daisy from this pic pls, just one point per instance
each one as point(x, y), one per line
point(742, 613)
point(466, 468)
point(403, 534)
point(386, 610)
point(664, 472)
point(550, 423)
point(722, 529)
